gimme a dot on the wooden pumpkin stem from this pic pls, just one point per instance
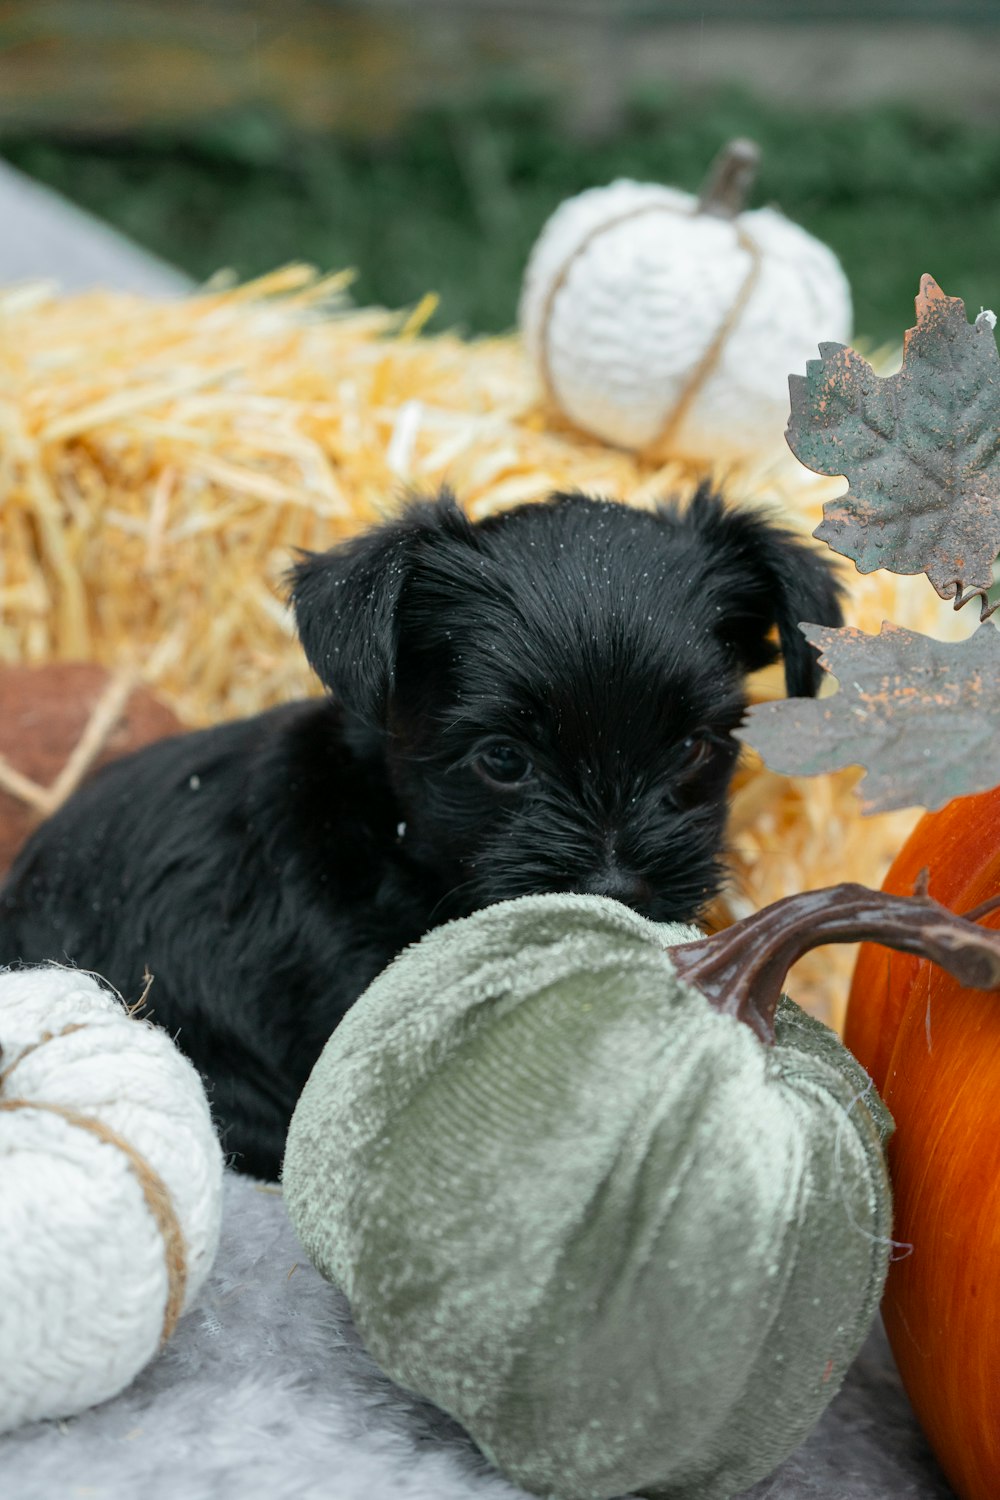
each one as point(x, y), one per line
point(727, 186)
point(742, 970)
point(982, 910)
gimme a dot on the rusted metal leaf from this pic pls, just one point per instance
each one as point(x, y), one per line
point(919, 449)
point(923, 716)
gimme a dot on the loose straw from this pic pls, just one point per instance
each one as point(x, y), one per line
point(100, 726)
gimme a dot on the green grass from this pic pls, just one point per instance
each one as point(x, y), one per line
point(454, 202)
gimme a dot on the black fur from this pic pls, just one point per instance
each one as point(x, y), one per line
point(265, 871)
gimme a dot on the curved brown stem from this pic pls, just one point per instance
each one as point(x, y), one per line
point(742, 970)
point(729, 179)
point(976, 913)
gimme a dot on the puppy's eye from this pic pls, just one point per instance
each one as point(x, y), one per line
point(696, 751)
point(503, 763)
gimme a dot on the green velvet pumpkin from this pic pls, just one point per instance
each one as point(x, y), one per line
point(623, 1242)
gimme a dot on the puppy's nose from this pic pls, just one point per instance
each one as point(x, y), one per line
point(625, 886)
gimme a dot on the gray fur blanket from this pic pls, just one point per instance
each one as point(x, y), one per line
point(264, 1393)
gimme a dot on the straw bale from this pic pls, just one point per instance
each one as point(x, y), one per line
point(160, 462)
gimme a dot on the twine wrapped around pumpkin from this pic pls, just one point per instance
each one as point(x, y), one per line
point(668, 323)
point(111, 1182)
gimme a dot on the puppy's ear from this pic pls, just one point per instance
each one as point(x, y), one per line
point(761, 576)
point(346, 602)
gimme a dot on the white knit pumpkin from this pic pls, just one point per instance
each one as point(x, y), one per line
point(664, 322)
point(110, 1193)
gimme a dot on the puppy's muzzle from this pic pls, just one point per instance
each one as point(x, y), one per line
point(626, 886)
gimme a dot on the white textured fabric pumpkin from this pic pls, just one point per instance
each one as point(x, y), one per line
point(111, 1193)
point(664, 322)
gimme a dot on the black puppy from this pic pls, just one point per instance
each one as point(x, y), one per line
point(541, 701)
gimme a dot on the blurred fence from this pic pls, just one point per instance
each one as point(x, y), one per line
point(107, 66)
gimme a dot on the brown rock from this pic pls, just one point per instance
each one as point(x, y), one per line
point(44, 714)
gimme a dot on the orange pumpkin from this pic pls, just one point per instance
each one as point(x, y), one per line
point(933, 1050)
